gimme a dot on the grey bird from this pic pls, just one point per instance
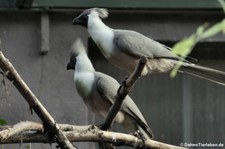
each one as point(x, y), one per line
point(123, 48)
point(98, 91)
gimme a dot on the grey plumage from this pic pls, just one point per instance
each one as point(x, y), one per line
point(123, 48)
point(98, 91)
point(213, 75)
point(125, 41)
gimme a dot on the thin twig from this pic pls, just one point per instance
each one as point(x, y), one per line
point(122, 93)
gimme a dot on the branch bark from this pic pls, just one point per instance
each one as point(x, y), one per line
point(122, 92)
point(49, 123)
point(32, 132)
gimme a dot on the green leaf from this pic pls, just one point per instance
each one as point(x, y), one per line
point(184, 47)
point(212, 31)
point(174, 71)
point(2, 122)
point(201, 29)
point(222, 3)
point(223, 26)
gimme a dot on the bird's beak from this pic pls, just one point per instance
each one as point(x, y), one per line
point(80, 21)
point(70, 65)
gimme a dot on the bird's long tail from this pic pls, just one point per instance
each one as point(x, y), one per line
point(146, 132)
point(210, 74)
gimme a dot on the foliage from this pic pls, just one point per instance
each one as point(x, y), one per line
point(184, 47)
point(2, 122)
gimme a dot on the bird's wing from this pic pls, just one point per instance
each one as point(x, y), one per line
point(107, 87)
point(137, 45)
point(130, 107)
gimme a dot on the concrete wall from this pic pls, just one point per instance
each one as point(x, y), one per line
point(184, 109)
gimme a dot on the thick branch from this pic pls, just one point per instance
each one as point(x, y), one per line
point(33, 102)
point(80, 134)
point(122, 93)
point(10, 131)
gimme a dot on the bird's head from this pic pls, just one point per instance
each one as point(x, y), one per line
point(84, 17)
point(76, 50)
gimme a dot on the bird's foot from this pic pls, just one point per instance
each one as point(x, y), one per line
point(52, 138)
point(102, 127)
point(140, 135)
point(92, 127)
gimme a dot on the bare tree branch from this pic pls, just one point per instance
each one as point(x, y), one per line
point(33, 102)
point(32, 133)
point(122, 93)
point(19, 128)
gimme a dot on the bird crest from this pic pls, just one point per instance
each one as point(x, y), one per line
point(77, 47)
point(102, 12)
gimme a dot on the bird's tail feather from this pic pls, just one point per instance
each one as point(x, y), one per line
point(210, 74)
point(147, 133)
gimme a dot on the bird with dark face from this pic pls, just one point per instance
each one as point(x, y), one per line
point(98, 91)
point(123, 48)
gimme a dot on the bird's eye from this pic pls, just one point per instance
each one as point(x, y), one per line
point(73, 59)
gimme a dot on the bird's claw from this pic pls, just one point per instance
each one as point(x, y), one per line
point(140, 135)
point(52, 138)
point(92, 127)
point(102, 127)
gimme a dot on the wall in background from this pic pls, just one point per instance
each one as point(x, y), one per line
point(184, 109)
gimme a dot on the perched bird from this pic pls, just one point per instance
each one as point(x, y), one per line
point(123, 48)
point(98, 91)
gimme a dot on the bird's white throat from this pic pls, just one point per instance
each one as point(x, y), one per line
point(84, 82)
point(83, 63)
point(101, 34)
point(84, 74)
